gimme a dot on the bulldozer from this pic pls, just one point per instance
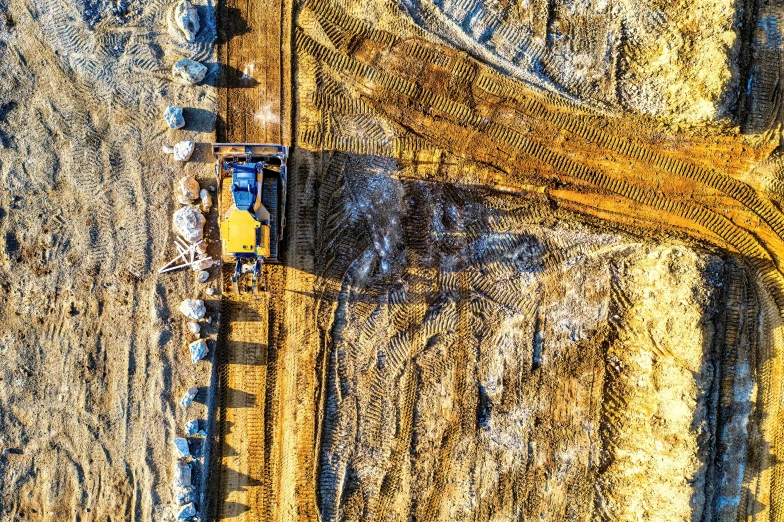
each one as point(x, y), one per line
point(251, 208)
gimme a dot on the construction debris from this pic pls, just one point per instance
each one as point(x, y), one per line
point(188, 222)
point(206, 200)
point(183, 450)
point(198, 350)
point(193, 309)
point(173, 117)
point(202, 276)
point(186, 190)
point(190, 394)
point(201, 248)
point(188, 72)
point(187, 18)
point(186, 257)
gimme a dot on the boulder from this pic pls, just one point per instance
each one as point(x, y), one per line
point(194, 327)
point(173, 117)
point(188, 222)
point(187, 19)
point(186, 190)
point(198, 350)
point(191, 428)
point(190, 394)
point(206, 200)
point(183, 451)
point(182, 474)
point(193, 309)
point(183, 151)
point(202, 276)
point(183, 495)
point(187, 511)
point(188, 72)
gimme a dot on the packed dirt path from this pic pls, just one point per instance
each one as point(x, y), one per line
point(255, 464)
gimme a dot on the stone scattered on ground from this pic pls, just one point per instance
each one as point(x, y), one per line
point(186, 190)
point(188, 72)
point(194, 327)
point(190, 394)
point(173, 117)
point(187, 18)
point(181, 445)
point(202, 264)
point(191, 428)
point(198, 350)
point(188, 222)
point(211, 291)
point(206, 200)
point(193, 309)
point(187, 511)
point(182, 474)
point(183, 495)
point(202, 276)
point(183, 150)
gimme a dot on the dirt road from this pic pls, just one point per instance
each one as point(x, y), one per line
point(255, 467)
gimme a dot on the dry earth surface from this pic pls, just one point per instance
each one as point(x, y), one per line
point(532, 267)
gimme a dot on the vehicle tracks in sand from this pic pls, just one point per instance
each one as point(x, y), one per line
point(445, 102)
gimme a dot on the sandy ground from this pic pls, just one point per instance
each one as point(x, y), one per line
point(94, 351)
point(430, 349)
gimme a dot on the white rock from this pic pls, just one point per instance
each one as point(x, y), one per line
point(193, 309)
point(190, 394)
point(206, 200)
point(167, 149)
point(183, 151)
point(183, 495)
point(183, 451)
point(191, 428)
point(198, 350)
point(202, 264)
point(211, 291)
point(187, 18)
point(188, 72)
point(202, 276)
point(187, 511)
point(173, 117)
point(194, 327)
point(186, 190)
point(188, 222)
point(182, 474)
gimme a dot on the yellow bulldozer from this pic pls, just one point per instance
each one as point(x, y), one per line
point(251, 207)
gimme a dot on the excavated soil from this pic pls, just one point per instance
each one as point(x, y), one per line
point(531, 268)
